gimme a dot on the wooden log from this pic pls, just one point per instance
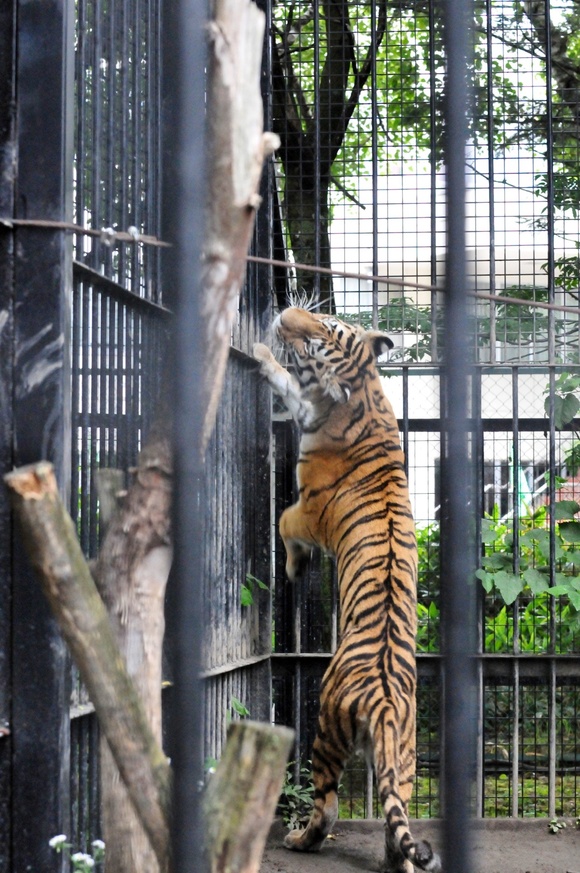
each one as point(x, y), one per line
point(242, 794)
point(131, 574)
point(54, 551)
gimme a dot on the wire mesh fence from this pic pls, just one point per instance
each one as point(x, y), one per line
point(358, 91)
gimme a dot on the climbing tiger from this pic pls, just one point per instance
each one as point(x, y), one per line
point(354, 503)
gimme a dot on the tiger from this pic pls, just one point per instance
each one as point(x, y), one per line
point(354, 504)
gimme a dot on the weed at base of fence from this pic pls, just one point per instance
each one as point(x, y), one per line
point(296, 799)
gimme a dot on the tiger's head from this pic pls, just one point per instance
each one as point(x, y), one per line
point(331, 357)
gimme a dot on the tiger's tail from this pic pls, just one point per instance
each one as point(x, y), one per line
point(400, 843)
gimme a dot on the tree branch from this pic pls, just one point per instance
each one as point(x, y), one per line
point(54, 552)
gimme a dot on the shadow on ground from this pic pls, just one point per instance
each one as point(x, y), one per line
point(499, 846)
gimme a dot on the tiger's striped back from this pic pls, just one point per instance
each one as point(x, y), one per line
point(354, 502)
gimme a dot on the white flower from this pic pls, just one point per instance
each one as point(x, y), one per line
point(56, 842)
point(81, 858)
point(98, 844)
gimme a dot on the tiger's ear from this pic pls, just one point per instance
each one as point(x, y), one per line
point(379, 342)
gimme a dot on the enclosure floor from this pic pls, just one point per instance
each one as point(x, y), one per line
point(499, 846)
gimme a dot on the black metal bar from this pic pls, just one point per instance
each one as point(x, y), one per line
point(457, 613)
point(494, 666)
point(8, 17)
point(317, 143)
point(491, 179)
point(433, 164)
point(374, 165)
point(43, 269)
point(184, 165)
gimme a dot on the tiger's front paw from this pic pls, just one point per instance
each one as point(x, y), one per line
point(263, 354)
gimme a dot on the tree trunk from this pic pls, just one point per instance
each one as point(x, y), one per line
point(306, 211)
point(236, 149)
point(131, 574)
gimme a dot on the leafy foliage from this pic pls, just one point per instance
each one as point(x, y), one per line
point(519, 576)
point(566, 402)
point(247, 590)
point(237, 708)
point(297, 798)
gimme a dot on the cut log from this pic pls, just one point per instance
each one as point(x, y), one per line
point(242, 794)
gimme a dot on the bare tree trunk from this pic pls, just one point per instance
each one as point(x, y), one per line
point(131, 574)
point(236, 149)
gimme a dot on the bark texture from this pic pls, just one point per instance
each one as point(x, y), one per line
point(131, 575)
point(242, 795)
point(236, 149)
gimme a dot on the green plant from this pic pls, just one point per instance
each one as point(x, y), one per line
point(512, 574)
point(555, 826)
point(247, 590)
point(209, 766)
point(296, 798)
point(566, 402)
point(428, 627)
point(81, 862)
point(237, 708)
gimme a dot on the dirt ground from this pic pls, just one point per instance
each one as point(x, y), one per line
point(499, 846)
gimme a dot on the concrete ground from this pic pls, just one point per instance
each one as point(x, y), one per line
point(498, 846)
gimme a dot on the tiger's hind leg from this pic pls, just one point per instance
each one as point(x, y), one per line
point(328, 763)
point(401, 850)
point(395, 772)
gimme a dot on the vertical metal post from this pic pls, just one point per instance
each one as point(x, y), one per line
point(433, 122)
point(374, 172)
point(478, 456)
point(457, 588)
point(491, 179)
point(516, 567)
point(41, 300)
point(183, 214)
point(8, 19)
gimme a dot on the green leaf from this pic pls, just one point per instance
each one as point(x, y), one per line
point(433, 610)
point(508, 585)
point(498, 561)
point(565, 408)
point(537, 581)
point(488, 531)
point(253, 580)
point(565, 509)
point(570, 531)
point(246, 596)
point(486, 579)
point(239, 707)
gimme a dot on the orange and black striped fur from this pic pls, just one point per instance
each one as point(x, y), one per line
point(354, 503)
